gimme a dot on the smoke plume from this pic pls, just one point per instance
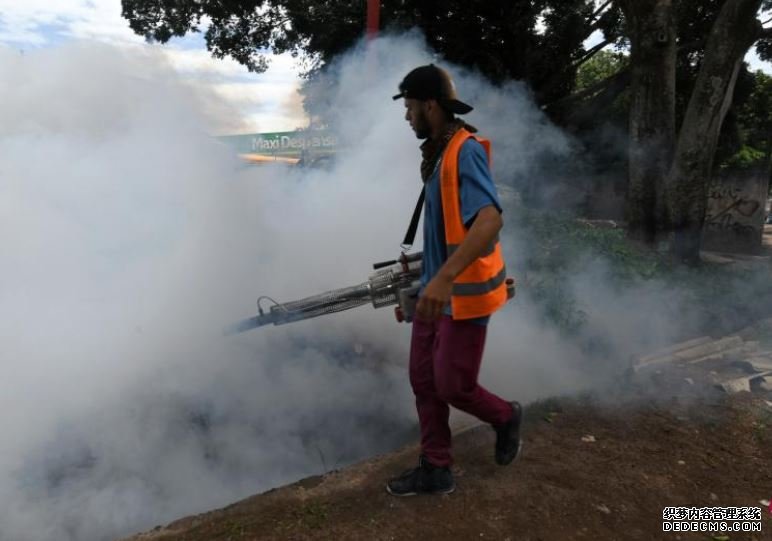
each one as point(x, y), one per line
point(131, 237)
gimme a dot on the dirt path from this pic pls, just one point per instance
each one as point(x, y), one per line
point(692, 446)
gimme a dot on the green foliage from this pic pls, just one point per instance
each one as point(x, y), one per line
point(745, 139)
point(563, 242)
point(600, 67)
point(240, 30)
point(745, 157)
point(754, 123)
point(764, 45)
point(719, 298)
point(560, 244)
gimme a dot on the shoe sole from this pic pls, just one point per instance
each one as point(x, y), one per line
point(515, 457)
point(435, 493)
point(519, 450)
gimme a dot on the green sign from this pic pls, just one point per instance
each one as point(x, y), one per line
point(291, 143)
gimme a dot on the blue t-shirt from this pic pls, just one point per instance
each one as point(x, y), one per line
point(476, 190)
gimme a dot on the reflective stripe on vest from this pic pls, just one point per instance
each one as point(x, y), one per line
point(488, 249)
point(480, 289)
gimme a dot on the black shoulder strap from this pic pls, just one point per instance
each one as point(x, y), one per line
point(413, 227)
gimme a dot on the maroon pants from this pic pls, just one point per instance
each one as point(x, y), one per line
point(445, 358)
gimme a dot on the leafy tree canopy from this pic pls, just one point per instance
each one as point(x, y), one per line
point(599, 68)
point(539, 41)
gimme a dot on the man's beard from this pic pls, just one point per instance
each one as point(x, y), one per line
point(421, 128)
point(423, 133)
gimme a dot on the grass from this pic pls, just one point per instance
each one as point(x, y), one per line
point(722, 296)
point(310, 515)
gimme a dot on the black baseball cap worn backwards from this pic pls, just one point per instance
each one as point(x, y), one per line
point(432, 83)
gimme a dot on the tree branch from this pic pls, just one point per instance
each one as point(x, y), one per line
point(556, 75)
point(595, 24)
point(590, 53)
point(627, 7)
point(590, 91)
point(765, 33)
point(600, 10)
point(587, 111)
point(691, 46)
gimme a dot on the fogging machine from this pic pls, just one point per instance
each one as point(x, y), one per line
point(393, 282)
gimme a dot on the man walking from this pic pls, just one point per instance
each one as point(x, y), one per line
point(462, 284)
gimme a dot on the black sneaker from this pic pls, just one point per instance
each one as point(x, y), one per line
point(425, 479)
point(508, 442)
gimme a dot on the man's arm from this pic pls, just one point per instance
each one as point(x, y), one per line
point(480, 236)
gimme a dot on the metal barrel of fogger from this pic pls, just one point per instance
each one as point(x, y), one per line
point(382, 289)
point(317, 305)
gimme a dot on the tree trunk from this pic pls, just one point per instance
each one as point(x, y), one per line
point(734, 31)
point(652, 33)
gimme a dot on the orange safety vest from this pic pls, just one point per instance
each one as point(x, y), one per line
point(481, 288)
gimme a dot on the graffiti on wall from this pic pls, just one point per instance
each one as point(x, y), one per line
point(735, 214)
point(732, 211)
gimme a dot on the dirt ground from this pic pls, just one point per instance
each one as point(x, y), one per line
point(690, 446)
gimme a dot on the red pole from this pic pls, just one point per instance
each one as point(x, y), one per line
point(373, 18)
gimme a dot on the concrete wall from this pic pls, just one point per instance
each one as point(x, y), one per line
point(736, 212)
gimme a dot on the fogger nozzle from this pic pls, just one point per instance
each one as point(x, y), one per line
point(382, 289)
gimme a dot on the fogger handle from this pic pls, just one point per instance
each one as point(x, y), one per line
point(404, 259)
point(383, 264)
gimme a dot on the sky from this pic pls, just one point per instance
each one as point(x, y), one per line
point(264, 102)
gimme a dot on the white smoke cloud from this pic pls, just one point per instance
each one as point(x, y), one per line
point(130, 237)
